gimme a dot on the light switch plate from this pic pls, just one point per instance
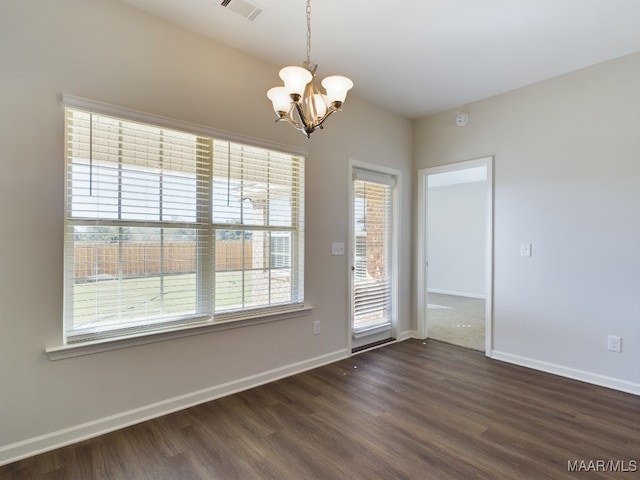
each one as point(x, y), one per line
point(337, 248)
point(525, 249)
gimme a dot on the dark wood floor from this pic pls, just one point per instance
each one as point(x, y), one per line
point(412, 410)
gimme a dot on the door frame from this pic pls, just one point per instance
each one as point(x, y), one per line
point(421, 254)
point(395, 259)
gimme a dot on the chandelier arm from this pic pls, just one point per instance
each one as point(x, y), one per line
point(326, 115)
point(307, 127)
point(290, 121)
point(303, 120)
point(304, 126)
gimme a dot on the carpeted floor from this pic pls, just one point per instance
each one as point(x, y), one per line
point(456, 320)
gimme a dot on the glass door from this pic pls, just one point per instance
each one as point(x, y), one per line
point(372, 265)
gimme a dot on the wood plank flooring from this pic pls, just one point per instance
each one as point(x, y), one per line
point(411, 410)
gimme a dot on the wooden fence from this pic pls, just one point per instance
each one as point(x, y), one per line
point(147, 258)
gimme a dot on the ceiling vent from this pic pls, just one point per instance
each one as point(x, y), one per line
point(247, 9)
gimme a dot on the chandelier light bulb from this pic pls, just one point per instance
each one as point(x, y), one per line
point(280, 99)
point(337, 87)
point(319, 106)
point(295, 80)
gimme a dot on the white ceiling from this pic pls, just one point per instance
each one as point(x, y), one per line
point(418, 57)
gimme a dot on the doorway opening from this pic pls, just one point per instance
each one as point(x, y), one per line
point(455, 250)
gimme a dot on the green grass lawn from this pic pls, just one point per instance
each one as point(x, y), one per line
point(128, 299)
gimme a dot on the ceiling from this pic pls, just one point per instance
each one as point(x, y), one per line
point(419, 57)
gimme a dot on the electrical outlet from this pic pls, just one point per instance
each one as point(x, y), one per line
point(316, 327)
point(614, 343)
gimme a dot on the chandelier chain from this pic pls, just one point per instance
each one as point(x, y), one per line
point(308, 31)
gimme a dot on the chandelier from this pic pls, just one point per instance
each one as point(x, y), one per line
point(300, 102)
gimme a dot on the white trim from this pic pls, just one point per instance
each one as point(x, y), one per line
point(451, 167)
point(374, 168)
point(406, 335)
point(350, 255)
point(568, 372)
point(76, 433)
point(421, 253)
point(421, 257)
point(488, 314)
point(457, 294)
point(376, 177)
point(371, 331)
point(395, 250)
point(71, 350)
point(95, 106)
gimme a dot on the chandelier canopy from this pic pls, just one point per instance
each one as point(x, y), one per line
point(300, 102)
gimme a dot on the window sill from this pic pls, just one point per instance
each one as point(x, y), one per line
point(88, 348)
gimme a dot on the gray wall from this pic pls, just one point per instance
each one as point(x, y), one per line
point(110, 52)
point(567, 179)
point(456, 239)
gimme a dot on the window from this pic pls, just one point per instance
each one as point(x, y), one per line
point(166, 228)
point(280, 254)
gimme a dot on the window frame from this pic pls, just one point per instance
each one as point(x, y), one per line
point(213, 321)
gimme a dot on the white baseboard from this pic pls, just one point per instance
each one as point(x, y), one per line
point(50, 441)
point(568, 372)
point(457, 294)
point(407, 335)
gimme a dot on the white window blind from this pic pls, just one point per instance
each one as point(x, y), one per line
point(372, 246)
point(257, 202)
point(142, 251)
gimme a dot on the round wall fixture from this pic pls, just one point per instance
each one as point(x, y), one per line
point(462, 119)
